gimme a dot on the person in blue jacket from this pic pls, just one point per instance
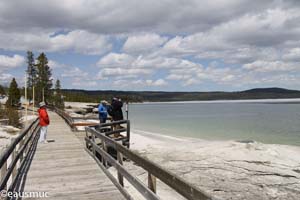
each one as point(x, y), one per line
point(102, 109)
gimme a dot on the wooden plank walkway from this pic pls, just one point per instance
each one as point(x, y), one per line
point(65, 170)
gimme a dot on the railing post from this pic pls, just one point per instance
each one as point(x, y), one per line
point(20, 147)
point(105, 149)
point(112, 128)
point(30, 131)
point(3, 172)
point(94, 142)
point(120, 160)
point(13, 157)
point(87, 136)
point(152, 182)
point(25, 139)
point(128, 133)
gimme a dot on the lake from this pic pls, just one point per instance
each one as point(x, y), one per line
point(263, 122)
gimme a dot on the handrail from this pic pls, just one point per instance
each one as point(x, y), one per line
point(113, 123)
point(16, 141)
point(64, 115)
point(184, 188)
point(18, 150)
point(110, 131)
point(70, 120)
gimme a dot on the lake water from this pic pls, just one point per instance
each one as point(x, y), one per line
point(262, 122)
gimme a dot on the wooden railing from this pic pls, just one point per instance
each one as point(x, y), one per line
point(97, 143)
point(70, 120)
point(120, 128)
point(16, 154)
point(64, 115)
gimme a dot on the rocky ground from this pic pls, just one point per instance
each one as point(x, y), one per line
point(224, 169)
point(7, 133)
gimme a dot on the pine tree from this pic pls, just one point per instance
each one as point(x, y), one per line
point(2, 90)
point(58, 99)
point(13, 94)
point(44, 81)
point(31, 72)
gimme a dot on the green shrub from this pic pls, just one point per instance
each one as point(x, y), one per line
point(13, 116)
point(2, 112)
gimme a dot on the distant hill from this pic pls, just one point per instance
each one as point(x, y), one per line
point(142, 96)
point(271, 90)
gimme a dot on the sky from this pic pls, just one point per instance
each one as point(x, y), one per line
point(157, 45)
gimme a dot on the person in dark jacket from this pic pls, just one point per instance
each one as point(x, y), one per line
point(44, 122)
point(102, 109)
point(117, 105)
point(117, 113)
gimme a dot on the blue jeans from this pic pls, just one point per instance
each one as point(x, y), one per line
point(102, 120)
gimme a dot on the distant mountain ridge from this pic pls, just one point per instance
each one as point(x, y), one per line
point(141, 96)
point(273, 89)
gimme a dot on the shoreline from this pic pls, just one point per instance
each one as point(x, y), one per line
point(280, 100)
point(186, 138)
point(224, 169)
point(161, 138)
point(284, 100)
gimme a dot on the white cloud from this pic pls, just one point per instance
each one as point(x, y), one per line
point(5, 78)
point(178, 77)
point(8, 62)
point(243, 39)
point(159, 82)
point(56, 65)
point(79, 41)
point(115, 60)
point(292, 55)
point(191, 81)
point(198, 75)
point(265, 66)
point(169, 16)
point(139, 83)
point(123, 66)
point(143, 43)
point(74, 72)
point(79, 82)
point(172, 40)
point(123, 72)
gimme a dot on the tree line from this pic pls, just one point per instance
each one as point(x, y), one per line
point(39, 80)
point(160, 96)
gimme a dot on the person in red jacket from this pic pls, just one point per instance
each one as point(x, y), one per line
point(44, 122)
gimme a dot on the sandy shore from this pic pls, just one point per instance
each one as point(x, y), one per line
point(225, 169)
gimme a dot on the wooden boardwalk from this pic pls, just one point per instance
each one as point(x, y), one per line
point(65, 170)
point(71, 169)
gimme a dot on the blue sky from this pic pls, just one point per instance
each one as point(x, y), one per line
point(169, 45)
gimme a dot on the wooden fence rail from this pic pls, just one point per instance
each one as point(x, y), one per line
point(70, 120)
point(18, 152)
point(97, 142)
